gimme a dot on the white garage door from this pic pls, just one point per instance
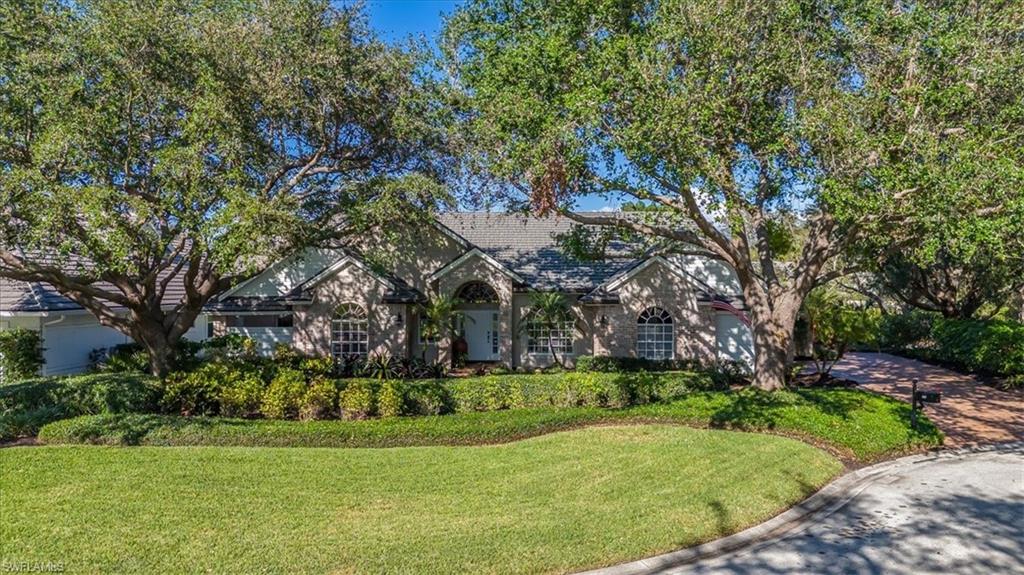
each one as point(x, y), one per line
point(67, 344)
point(734, 339)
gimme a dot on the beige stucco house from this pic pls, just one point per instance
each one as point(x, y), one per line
point(336, 302)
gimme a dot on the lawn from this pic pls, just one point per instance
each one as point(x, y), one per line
point(557, 502)
point(854, 424)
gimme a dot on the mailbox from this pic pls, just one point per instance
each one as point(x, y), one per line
point(928, 396)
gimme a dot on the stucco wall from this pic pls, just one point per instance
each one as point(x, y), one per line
point(312, 322)
point(656, 286)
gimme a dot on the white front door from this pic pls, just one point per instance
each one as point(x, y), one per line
point(481, 329)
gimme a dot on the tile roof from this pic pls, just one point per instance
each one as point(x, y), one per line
point(529, 247)
point(37, 297)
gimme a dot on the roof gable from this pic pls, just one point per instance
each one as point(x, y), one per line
point(478, 253)
point(621, 279)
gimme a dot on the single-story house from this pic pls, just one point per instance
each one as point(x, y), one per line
point(367, 298)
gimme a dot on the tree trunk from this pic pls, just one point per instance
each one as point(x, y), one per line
point(551, 350)
point(770, 357)
point(158, 342)
point(772, 328)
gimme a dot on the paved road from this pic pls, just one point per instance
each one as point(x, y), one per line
point(971, 413)
point(957, 513)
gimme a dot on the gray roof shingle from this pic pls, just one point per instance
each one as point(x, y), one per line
point(529, 246)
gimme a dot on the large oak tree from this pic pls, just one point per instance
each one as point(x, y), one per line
point(174, 146)
point(741, 117)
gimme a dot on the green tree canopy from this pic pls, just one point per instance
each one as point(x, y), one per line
point(743, 118)
point(189, 142)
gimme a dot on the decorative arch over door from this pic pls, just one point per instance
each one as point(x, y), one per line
point(477, 292)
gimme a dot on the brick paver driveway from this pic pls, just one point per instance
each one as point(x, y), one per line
point(971, 413)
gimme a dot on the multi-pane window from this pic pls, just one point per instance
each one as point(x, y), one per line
point(349, 334)
point(559, 335)
point(655, 338)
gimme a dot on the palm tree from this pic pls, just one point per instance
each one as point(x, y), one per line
point(438, 319)
point(549, 311)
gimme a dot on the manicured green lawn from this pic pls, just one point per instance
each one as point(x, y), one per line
point(558, 502)
point(856, 424)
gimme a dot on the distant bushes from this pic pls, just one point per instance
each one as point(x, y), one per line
point(988, 347)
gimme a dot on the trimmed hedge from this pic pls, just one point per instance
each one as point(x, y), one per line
point(27, 406)
point(988, 347)
point(240, 389)
point(855, 423)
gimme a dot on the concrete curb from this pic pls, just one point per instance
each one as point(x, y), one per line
point(825, 502)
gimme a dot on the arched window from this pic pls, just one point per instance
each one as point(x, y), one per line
point(349, 334)
point(655, 338)
point(477, 292)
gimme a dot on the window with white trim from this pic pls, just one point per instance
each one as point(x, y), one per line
point(349, 332)
point(655, 334)
point(560, 336)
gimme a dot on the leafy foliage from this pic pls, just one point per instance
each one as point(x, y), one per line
point(156, 146)
point(29, 404)
point(284, 396)
point(358, 400)
point(835, 327)
point(772, 135)
point(989, 347)
point(320, 400)
point(21, 354)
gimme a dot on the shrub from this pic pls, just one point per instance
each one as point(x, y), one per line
point(357, 401)
point(989, 347)
point(124, 358)
point(320, 400)
point(26, 406)
point(242, 396)
point(835, 326)
point(381, 366)
point(314, 367)
point(391, 399)
point(21, 354)
point(197, 392)
point(284, 396)
point(904, 330)
point(616, 364)
point(428, 398)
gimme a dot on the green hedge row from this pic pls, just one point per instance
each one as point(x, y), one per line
point(861, 425)
point(27, 406)
point(240, 389)
point(989, 347)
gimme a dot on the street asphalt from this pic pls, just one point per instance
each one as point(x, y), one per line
point(954, 512)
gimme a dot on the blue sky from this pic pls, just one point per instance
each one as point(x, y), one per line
point(397, 20)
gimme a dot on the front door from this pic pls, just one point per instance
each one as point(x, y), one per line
point(481, 329)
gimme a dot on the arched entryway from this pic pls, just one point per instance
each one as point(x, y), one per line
point(479, 323)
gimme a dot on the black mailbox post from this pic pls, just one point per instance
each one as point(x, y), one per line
point(918, 399)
